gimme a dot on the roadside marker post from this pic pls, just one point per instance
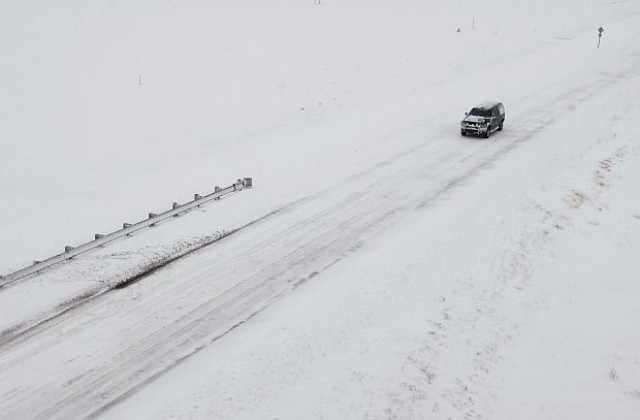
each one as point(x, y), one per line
point(600, 31)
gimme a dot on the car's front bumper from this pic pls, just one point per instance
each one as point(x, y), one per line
point(474, 129)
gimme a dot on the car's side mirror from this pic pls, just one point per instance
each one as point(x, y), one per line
point(466, 114)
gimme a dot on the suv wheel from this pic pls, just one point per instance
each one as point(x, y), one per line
point(487, 133)
point(501, 126)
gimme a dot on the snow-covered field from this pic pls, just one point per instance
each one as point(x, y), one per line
point(381, 267)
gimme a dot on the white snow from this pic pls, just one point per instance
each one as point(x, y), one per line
point(401, 270)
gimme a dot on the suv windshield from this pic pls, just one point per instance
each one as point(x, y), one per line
point(480, 112)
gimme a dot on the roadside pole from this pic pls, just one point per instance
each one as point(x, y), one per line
point(600, 31)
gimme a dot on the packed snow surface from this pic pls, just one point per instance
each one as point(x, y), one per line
point(382, 266)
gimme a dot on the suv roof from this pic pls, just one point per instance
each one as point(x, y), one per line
point(487, 105)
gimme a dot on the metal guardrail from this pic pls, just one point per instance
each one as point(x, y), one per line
point(127, 229)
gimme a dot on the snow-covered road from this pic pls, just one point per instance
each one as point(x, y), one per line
point(91, 357)
point(406, 272)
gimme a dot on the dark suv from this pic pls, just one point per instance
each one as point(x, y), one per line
point(483, 119)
